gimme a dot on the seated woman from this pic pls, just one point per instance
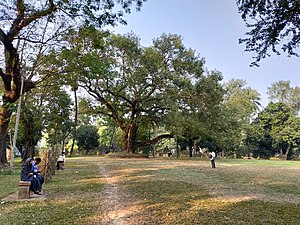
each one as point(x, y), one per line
point(36, 170)
point(27, 174)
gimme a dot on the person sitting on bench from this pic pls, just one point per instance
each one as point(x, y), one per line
point(36, 170)
point(60, 162)
point(27, 174)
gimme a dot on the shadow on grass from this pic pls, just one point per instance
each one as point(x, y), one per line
point(167, 202)
point(161, 192)
point(66, 211)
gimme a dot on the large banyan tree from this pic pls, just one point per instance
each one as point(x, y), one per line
point(139, 88)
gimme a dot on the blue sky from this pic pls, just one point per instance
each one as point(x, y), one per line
point(212, 28)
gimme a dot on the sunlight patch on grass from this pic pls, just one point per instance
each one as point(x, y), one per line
point(135, 170)
point(217, 203)
point(108, 217)
point(93, 180)
point(162, 191)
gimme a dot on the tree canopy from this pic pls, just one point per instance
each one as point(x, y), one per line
point(141, 94)
point(87, 138)
point(278, 126)
point(139, 88)
point(30, 28)
point(281, 91)
point(272, 23)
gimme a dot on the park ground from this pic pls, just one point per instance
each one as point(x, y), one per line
point(99, 190)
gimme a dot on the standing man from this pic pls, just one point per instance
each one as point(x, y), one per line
point(212, 156)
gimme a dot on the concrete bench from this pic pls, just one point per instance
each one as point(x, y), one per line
point(24, 189)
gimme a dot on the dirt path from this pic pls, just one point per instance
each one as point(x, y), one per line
point(112, 197)
point(116, 204)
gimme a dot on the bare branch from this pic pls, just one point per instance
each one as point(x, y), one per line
point(2, 74)
point(3, 37)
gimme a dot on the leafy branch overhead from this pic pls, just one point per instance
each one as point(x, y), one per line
point(272, 23)
point(28, 29)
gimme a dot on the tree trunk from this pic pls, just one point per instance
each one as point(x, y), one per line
point(287, 152)
point(130, 138)
point(223, 153)
point(11, 78)
point(75, 120)
point(29, 150)
point(296, 156)
point(280, 153)
point(11, 89)
point(194, 148)
point(191, 144)
point(30, 133)
point(130, 143)
point(4, 121)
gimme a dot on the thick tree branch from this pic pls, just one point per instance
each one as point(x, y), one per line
point(2, 74)
point(20, 22)
point(103, 101)
point(154, 140)
point(3, 37)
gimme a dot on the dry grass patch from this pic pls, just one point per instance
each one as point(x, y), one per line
point(99, 190)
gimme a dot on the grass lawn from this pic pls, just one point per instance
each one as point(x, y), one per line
point(97, 190)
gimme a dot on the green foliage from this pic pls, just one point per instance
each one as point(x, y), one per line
point(291, 131)
point(233, 115)
point(281, 91)
point(198, 108)
point(86, 110)
point(110, 137)
point(258, 141)
point(87, 138)
point(30, 128)
point(275, 127)
point(274, 116)
point(138, 88)
point(57, 112)
point(45, 110)
point(242, 98)
point(30, 29)
point(97, 12)
point(273, 23)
